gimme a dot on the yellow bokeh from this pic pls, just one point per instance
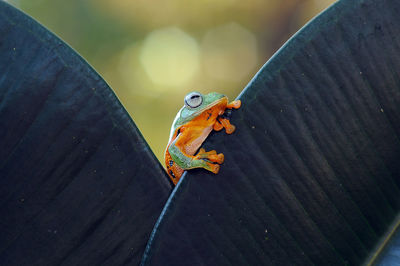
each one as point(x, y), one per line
point(229, 52)
point(170, 57)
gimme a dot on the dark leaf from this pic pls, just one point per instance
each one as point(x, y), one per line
point(312, 174)
point(78, 184)
point(390, 255)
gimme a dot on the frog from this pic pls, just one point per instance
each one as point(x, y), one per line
point(200, 115)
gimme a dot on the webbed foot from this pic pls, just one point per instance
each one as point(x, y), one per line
point(212, 167)
point(211, 156)
point(235, 104)
point(229, 128)
point(217, 126)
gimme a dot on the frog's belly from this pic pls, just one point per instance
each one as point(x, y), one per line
point(194, 145)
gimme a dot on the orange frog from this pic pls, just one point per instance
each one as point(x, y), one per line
point(193, 123)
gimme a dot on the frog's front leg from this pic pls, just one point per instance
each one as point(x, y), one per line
point(224, 122)
point(202, 160)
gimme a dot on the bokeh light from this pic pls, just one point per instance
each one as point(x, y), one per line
point(229, 52)
point(170, 56)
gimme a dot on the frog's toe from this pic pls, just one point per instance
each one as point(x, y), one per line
point(235, 104)
point(212, 152)
point(203, 154)
point(230, 129)
point(220, 158)
point(218, 126)
point(213, 168)
point(216, 158)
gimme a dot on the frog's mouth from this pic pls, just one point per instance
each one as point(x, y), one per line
point(211, 105)
point(187, 116)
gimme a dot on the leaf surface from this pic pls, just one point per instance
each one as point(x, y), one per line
point(78, 183)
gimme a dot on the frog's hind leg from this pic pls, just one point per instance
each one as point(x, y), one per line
point(229, 128)
point(207, 160)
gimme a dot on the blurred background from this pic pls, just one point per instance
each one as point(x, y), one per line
point(153, 52)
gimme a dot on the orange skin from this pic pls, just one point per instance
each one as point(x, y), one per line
point(192, 134)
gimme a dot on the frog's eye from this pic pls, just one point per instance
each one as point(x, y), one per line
point(193, 100)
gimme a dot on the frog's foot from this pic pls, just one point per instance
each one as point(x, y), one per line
point(211, 156)
point(212, 167)
point(229, 128)
point(218, 126)
point(235, 104)
point(205, 163)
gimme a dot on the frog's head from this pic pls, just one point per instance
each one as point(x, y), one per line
point(195, 104)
